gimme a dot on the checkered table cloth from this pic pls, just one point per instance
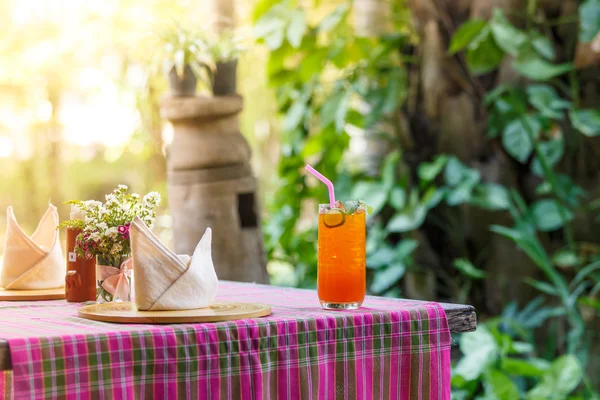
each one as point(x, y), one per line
point(389, 349)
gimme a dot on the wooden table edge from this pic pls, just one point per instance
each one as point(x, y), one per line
point(461, 318)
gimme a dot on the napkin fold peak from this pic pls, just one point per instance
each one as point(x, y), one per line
point(166, 281)
point(33, 262)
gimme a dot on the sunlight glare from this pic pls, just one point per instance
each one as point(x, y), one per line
point(6, 147)
point(108, 119)
point(44, 111)
point(168, 133)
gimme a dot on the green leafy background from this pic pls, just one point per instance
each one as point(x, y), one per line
point(333, 85)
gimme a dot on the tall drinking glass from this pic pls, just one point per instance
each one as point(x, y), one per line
point(341, 273)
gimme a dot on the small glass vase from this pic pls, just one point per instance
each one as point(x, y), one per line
point(113, 281)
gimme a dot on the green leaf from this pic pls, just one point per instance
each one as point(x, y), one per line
point(269, 22)
point(515, 138)
point(387, 277)
point(465, 34)
point(460, 194)
point(312, 65)
point(275, 63)
point(398, 198)
point(333, 19)
point(395, 90)
point(493, 95)
point(467, 269)
point(549, 215)
point(461, 180)
point(294, 115)
point(499, 386)
point(296, 28)
point(521, 347)
point(484, 55)
point(375, 239)
point(261, 8)
point(376, 98)
point(541, 286)
point(454, 172)
point(491, 196)
point(586, 121)
point(389, 168)
point(589, 15)
point(589, 301)
point(432, 197)
point(383, 256)
point(559, 381)
point(457, 173)
point(330, 106)
point(565, 258)
point(537, 319)
point(552, 151)
point(542, 45)
point(341, 112)
point(508, 38)
point(512, 234)
point(312, 146)
point(531, 66)
point(545, 99)
point(372, 193)
point(480, 351)
point(393, 293)
point(429, 171)
point(408, 220)
point(351, 206)
point(405, 248)
point(271, 27)
point(587, 270)
point(520, 367)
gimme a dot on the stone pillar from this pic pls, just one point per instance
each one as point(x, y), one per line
point(210, 184)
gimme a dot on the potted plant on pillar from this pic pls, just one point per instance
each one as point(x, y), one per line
point(225, 50)
point(185, 59)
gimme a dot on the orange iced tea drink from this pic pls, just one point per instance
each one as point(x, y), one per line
point(341, 273)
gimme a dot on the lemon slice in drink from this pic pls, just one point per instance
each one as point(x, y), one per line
point(334, 218)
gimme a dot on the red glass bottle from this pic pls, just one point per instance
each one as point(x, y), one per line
point(80, 282)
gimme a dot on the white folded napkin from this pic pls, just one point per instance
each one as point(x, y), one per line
point(166, 281)
point(36, 261)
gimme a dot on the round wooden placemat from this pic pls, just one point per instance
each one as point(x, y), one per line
point(127, 313)
point(32, 295)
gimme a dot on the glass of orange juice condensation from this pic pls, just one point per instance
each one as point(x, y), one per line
point(341, 271)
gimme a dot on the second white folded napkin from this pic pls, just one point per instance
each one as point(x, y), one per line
point(166, 281)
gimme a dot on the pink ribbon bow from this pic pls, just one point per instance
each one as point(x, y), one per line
point(116, 280)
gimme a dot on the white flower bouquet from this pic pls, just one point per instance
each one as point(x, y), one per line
point(105, 230)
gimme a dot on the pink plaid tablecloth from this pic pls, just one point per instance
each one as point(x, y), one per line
point(389, 349)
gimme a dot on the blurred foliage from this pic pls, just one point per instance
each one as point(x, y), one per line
point(323, 76)
point(500, 359)
point(329, 83)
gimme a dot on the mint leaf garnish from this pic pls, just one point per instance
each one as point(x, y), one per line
point(351, 206)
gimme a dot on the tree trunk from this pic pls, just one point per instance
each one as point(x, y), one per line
point(149, 107)
point(54, 138)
